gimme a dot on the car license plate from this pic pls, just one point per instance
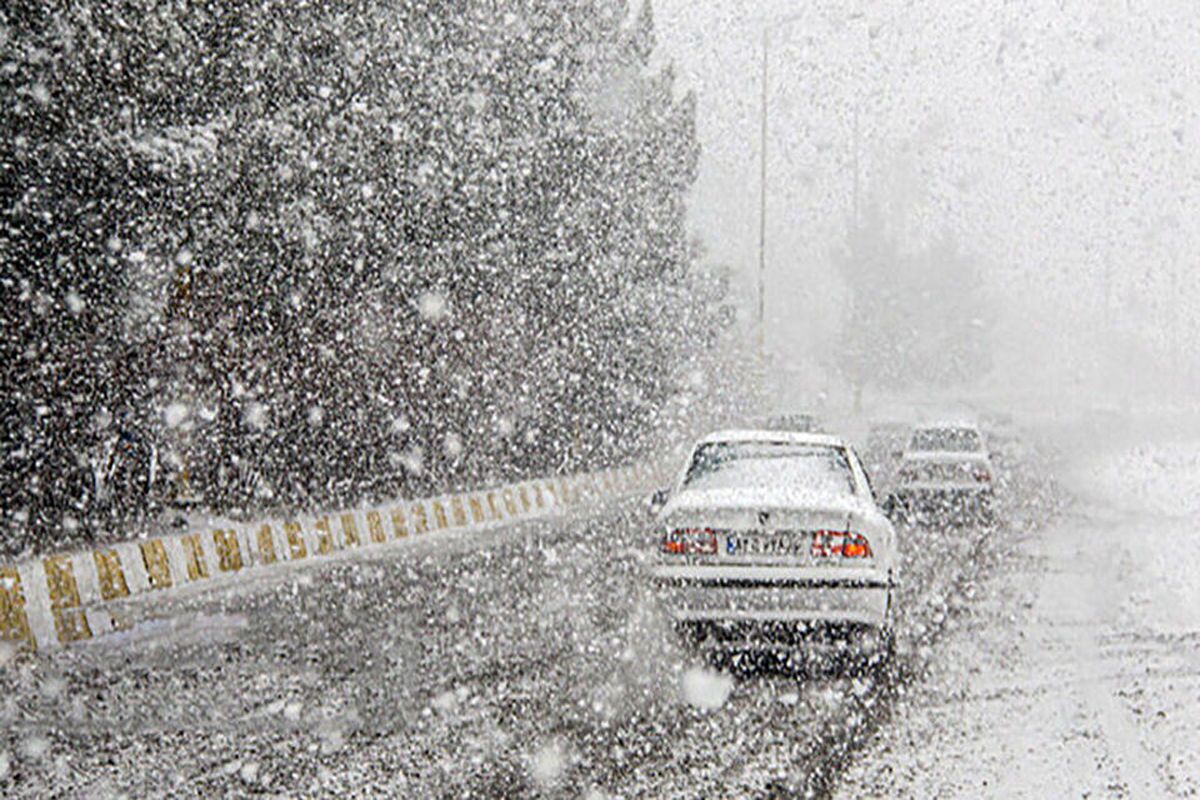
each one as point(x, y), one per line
point(781, 543)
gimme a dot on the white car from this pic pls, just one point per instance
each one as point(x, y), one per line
point(946, 475)
point(773, 541)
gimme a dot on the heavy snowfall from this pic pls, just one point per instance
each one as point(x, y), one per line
point(599, 399)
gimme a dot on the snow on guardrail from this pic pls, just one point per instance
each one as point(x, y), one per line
point(55, 600)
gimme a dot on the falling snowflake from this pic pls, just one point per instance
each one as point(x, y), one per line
point(175, 414)
point(548, 764)
point(705, 689)
point(433, 306)
point(413, 460)
point(255, 416)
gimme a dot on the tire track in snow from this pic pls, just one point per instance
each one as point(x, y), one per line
point(1074, 596)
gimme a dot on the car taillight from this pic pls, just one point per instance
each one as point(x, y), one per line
point(843, 544)
point(690, 542)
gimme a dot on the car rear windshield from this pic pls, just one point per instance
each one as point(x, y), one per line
point(954, 440)
point(800, 423)
point(736, 465)
point(941, 471)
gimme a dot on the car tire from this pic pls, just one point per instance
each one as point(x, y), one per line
point(880, 662)
point(987, 513)
point(887, 645)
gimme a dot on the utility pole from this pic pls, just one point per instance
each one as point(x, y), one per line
point(855, 217)
point(762, 176)
point(762, 204)
point(855, 209)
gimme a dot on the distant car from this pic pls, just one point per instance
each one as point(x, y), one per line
point(946, 475)
point(797, 422)
point(773, 541)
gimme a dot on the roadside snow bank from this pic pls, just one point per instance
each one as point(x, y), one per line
point(1152, 492)
point(1153, 478)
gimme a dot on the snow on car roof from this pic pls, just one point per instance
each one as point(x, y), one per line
point(946, 424)
point(946, 455)
point(790, 437)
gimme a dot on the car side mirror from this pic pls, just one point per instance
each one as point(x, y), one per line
point(888, 506)
point(657, 501)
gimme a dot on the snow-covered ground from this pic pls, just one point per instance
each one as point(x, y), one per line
point(1077, 671)
point(523, 662)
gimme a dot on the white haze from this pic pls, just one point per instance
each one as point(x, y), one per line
point(1056, 140)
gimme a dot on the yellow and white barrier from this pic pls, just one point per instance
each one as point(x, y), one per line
point(55, 600)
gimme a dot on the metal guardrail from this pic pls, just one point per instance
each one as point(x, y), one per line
point(53, 601)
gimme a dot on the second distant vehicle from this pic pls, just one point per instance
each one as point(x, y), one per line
point(946, 475)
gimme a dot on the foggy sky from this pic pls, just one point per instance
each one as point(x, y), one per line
point(1058, 139)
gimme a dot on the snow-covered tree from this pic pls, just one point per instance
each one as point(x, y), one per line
point(365, 247)
point(913, 317)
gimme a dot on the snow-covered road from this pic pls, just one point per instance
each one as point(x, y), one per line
point(525, 662)
point(1078, 674)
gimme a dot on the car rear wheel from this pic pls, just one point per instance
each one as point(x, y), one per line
point(883, 654)
point(987, 513)
point(887, 645)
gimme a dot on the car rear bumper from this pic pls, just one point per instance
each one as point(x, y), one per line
point(936, 498)
point(781, 597)
point(732, 636)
